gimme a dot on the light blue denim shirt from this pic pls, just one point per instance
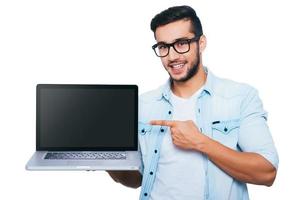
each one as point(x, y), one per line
point(228, 112)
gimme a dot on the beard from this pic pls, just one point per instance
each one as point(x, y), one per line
point(191, 72)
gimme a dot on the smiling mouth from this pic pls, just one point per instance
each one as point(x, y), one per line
point(177, 68)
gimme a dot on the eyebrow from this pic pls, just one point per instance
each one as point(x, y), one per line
point(182, 38)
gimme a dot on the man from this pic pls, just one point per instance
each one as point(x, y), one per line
point(201, 137)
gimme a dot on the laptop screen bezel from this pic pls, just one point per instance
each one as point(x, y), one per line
point(39, 87)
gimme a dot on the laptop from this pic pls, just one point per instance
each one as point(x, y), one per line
point(86, 127)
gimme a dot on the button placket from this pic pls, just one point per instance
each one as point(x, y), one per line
point(155, 157)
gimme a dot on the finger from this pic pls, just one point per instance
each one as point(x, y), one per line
point(175, 133)
point(162, 122)
point(172, 130)
point(175, 139)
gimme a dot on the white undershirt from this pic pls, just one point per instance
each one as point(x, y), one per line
point(180, 173)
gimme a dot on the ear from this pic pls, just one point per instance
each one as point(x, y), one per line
point(202, 43)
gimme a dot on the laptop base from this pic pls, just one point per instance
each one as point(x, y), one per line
point(38, 163)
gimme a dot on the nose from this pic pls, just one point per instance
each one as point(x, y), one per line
point(173, 55)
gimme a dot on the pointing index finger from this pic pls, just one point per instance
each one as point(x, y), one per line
point(162, 122)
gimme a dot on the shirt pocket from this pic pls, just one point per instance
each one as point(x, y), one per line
point(226, 132)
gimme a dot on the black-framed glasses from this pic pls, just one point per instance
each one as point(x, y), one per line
point(181, 46)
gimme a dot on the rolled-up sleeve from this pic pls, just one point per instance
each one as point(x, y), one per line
point(254, 135)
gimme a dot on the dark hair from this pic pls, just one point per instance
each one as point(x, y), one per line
point(177, 13)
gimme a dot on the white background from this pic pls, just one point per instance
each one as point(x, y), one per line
point(96, 42)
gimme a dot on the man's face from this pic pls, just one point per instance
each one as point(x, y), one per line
point(181, 67)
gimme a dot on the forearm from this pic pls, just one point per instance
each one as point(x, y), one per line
point(243, 166)
point(131, 179)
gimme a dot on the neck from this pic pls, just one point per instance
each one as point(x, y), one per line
point(189, 87)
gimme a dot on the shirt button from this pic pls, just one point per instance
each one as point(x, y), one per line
point(225, 129)
point(170, 112)
point(145, 194)
point(162, 130)
point(143, 130)
point(151, 173)
point(155, 151)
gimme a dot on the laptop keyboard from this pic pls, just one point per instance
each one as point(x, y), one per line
point(86, 155)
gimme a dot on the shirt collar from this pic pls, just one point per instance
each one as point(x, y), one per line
point(208, 86)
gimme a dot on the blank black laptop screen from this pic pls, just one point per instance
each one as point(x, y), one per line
point(87, 117)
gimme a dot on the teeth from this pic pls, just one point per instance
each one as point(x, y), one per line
point(177, 66)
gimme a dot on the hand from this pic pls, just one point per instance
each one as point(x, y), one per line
point(131, 179)
point(185, 134)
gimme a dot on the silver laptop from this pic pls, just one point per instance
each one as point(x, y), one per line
point(86, 127)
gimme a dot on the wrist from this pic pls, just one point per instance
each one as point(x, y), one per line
point(202, 144)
